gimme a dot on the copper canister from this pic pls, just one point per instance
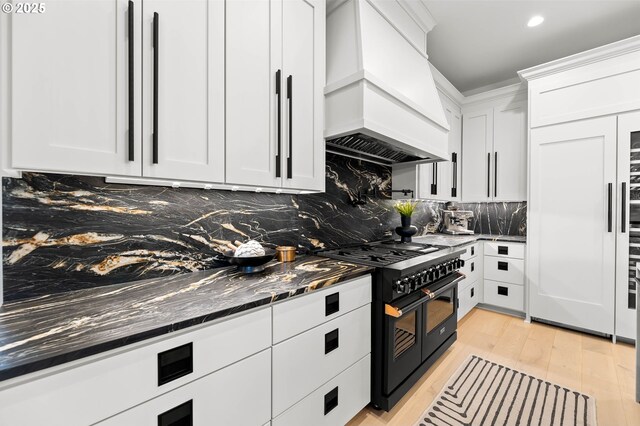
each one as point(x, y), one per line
point(286, 253)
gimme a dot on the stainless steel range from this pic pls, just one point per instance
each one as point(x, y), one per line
point(414, 312)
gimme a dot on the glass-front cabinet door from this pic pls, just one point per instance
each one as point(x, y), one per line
point(628, 223)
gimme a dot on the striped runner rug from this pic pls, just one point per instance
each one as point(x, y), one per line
point(483, 392)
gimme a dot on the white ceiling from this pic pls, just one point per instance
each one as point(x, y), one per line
point(484, 42)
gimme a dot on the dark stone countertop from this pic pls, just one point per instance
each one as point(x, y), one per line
point(50, 330)
point(458, 240)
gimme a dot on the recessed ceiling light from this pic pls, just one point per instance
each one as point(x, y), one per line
point(535, 21)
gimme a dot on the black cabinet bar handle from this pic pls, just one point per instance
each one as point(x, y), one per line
point(156, 57)
point(488, 174)
point(182, 415)
point(131, 88)
point(610, 200)
point(504, 250)
point(331, 341)
point(436, 178)
point(503, 266)
point(454, 177)
point(175, 363)
point(330, 400)
point(624, 207)
point(279, 121)
point(331, 304)
point(495, 174)
point(503, 291)
point(290, 97)
point(433, 179)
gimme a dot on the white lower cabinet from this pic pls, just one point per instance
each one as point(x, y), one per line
point(504, 295)
point(97, 388)
point(211, 373)
point(219, 398)
point(305, 362)
point(469, 297)
point(335, 402)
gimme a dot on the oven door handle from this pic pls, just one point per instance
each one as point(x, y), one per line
point(432, 295)
point(395, 312)
point(392, 311)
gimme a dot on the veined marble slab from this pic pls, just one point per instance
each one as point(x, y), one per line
point(49, 330)
point(458, 240)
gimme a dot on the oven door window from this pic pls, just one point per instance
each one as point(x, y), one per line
point(404, 332)
point(440, 309)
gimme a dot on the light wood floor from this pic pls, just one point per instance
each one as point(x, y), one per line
point(582, 362)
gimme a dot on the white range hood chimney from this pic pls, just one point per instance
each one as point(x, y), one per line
point(381, 102)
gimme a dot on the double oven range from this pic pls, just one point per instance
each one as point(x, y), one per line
point(414, 311)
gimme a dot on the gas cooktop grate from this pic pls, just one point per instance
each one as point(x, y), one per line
point(371, 255)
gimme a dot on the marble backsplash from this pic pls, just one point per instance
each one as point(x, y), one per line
point(62, 233)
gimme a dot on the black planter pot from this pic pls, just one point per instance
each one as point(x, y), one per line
point(406, 231)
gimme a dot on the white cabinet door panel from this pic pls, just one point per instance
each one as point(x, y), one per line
point(190, 99)
point(304, 73)
point(476, 144)
point(571, 263)
point(253, 56)
point(510, 152)
point(70, 92)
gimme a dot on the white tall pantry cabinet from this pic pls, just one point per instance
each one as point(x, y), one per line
point(581, 171)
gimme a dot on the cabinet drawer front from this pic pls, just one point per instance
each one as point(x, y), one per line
point(292, 317)
point(309, 360)
point(470, 251)
point(468, 297)
point(504, 269)
point(222, 396)
point(513, 250)
point(109, 383)
point(506, 295)
point(334, 403)
point(472, 269)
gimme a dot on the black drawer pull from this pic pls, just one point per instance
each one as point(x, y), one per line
point(330, 400)
point(331, 304)
point(503, 250)
point(473, 251)
point(473, 291)
point(503, 291)
point(473, 266)
point(175, 363)
point(331, 341)
point(503, 266)
point(182, 415)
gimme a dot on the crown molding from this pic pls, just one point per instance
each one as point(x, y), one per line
point(597, 54)
point(418, 10)
point(510, 91)
point(445, 86)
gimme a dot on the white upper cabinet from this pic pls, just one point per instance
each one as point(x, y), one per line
point(255, 101)
point(183, 106)
point(75, 84)
point(477, 134)
point(303, 65)
point(275, 81)
point(494, 157)
point(510, 152)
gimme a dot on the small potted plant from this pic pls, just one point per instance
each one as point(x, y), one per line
point(406, 209)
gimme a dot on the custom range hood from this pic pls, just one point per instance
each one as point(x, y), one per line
point(381, 103)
